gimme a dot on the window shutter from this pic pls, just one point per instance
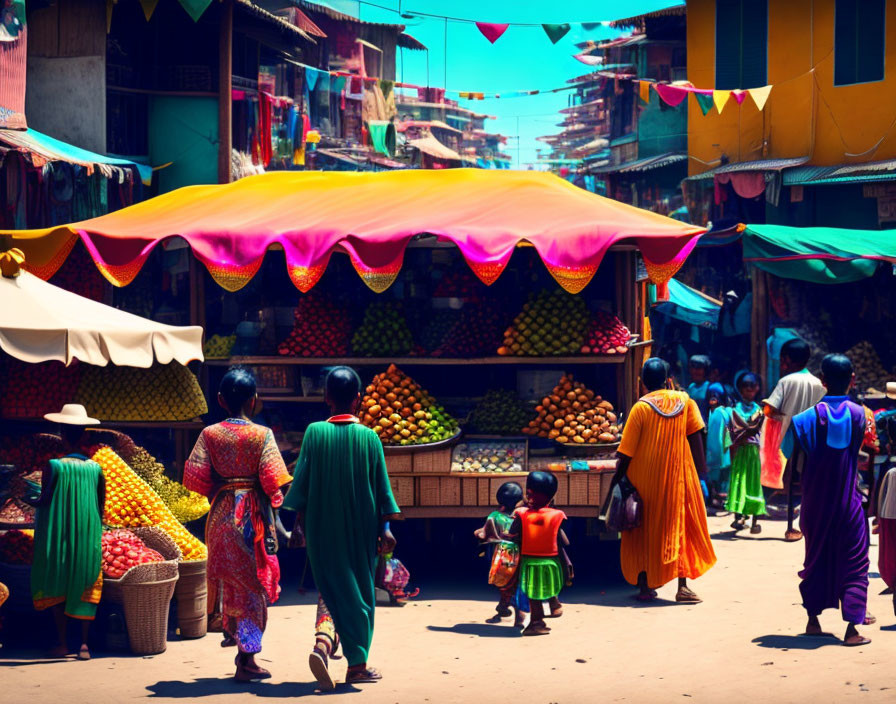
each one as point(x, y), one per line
point(728, 44)
point(845, 42)
point(754, 26)
point(871, 23)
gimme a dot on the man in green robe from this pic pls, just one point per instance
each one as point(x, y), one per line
point(343, 504)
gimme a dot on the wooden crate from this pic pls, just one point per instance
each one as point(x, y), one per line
point(486, 497)
point(400, 464)
point(439, 491)
point(449, 491)
point(403, 489)
point(562, 497)
point(578, 489)
point(432, 461)
point(594, 490)
point(606, 481)
point(428, 491)
point(469, 491)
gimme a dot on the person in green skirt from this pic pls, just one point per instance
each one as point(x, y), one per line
point(745, 496)
point(67, 571)
point(538, 529)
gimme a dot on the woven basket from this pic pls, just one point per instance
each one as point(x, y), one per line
point(113, 589)
point(146, 613)
point(191, 594)
point(157, 539)
point(17, 578)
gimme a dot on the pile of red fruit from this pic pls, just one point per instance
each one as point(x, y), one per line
point(30, 453)
point(123, 550)
point(17, 547)
point(31, 390)
point(458, 284)
point(606, 335)
point(476, 334)
point(322, 330)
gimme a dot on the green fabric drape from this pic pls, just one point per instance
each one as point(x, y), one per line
point(380, 135)
point(68, 538)
point(342, 488)
point(818, 254)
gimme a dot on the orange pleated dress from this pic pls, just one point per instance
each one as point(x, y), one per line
point(673, 538)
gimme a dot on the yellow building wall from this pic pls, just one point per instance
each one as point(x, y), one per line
point(806, 115)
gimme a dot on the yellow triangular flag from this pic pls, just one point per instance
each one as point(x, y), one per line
point(149, 6)
point(760, 95)
point(110, 4)
point(720, 97)
point(644, 91)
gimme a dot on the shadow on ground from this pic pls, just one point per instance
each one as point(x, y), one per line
point(785, 642)
point(212, 686)
point(483, 630)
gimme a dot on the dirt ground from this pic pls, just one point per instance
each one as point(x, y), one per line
point(742, 644)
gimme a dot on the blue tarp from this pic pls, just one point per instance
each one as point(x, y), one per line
point(690, 306)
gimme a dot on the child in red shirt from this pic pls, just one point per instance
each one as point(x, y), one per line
point(537, 529)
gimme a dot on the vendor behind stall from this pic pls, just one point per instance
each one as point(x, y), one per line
point(67, 571)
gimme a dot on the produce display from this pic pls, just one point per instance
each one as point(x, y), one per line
point(500, 412)
point(436, 330)
point(162, 392)
point(869, 370)
point(131, 502)
point(218, 346)
point(476, 334)
point(488, 457)
point(16, 512)
point(123, 550)
point(322, 329)
point(606, 335)
point(17, 547)
point(30, 453)
point(32, 390)
point(459, 283)
point(574, 414)
point(552, 323)
point(403, 413)
point(186, 505)
point(383, 333)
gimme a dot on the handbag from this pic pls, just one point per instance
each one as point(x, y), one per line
point(505, 561)
point(624, 508)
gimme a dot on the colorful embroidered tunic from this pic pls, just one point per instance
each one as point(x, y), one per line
point(342, 488)
point(673, 538)
point(67, 566)
point(244, 457)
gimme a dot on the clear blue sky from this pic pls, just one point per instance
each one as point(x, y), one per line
point(522, 59)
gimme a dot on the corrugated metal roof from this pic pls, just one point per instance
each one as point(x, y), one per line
point(638, 20)
point(645, 164)
point(757, 165)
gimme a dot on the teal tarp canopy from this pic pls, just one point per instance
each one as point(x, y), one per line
point(818, 254)
point(690, 306)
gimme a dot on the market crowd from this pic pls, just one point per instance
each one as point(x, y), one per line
point(713, 446)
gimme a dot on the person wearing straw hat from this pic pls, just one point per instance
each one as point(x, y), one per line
point(67, 571)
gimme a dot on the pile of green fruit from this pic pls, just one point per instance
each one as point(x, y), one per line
point(550, 324)
point(383, 333)
point(218, 346)
point(500, 412)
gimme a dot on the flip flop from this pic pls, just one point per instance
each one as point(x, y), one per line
point(317, 661)
point(862, 641)
point(536, 631)
point(366, 676)
point(688, 597)
point(870, 620)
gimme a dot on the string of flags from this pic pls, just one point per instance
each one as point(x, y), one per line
point(673, 94)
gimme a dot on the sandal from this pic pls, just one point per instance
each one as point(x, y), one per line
point(861, 640)
point(362, 675)
point(756, 530)
point(686, 596)
point(536, 629)
point(317, 661)
point(644, 598)
point(870, 619)
point(83, 653)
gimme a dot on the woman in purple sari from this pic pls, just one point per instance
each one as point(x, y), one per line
point(835, 573)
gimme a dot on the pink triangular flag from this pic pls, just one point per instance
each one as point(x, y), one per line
point(492, 31)
point(739, 96)
point(760, 95)
point(671, 95)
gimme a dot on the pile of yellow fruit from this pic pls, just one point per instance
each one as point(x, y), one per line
point(218, 346)
point(162, 392)
point(186, 505)
point(131, 503)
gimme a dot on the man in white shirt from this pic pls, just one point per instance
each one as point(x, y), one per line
point(798, 390)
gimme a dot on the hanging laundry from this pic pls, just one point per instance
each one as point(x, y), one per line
point(644, 91)
point(555, 32)
point(379, 131)
point(492, 31)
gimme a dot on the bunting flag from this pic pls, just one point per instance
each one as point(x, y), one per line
point(739, 96)
point(195, 8)
point(705, 101)
point(671, 94)
point(644, 91)
point(760, 96)
point(720, 97)
point(149, 6)
point(555, 32)
point(492, 31)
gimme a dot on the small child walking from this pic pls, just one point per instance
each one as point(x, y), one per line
point(505, 556)
point(537, 529)
point(745, 496)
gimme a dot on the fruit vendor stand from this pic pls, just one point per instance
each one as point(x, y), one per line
point(40, 325)
point(829, 286)
point(488, 342)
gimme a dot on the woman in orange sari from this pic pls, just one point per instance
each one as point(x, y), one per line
point(661, 453)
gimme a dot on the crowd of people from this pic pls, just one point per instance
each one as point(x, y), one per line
point(708, 448)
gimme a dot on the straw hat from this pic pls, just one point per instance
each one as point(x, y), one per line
point(72, 414)
point(891, 390)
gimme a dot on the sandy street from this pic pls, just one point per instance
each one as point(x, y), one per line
point(741, 645)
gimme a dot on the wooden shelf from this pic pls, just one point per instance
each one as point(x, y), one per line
point(194, 424)
point(417, 361)
point(291, 399)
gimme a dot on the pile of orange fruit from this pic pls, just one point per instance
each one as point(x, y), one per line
point(131, 503)
point(574, 414)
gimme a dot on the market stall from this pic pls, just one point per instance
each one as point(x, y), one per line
point(828, 286)
point(480, 290)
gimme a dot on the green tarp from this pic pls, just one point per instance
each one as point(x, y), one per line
point(818, 254)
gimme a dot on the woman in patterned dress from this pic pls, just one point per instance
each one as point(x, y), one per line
point(236, 464)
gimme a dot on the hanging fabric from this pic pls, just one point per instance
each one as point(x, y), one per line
point(644, 91)
point(705, 101)
point(671, 95)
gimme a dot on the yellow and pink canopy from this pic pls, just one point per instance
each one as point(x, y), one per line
point(372, 217)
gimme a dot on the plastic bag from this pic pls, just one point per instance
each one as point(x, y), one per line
point(625, 508)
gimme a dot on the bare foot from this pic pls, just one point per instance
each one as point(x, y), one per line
point(556, 608)
point(646, 596)
point(870, 619)
point(813, 628)
point(793, 536)
point(84, 653)
point(519, 620)
point(686, 596)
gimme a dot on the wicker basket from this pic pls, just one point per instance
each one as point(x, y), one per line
point(157, 539)
point(146, 613)
point(17, 578)
point(191, 594)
